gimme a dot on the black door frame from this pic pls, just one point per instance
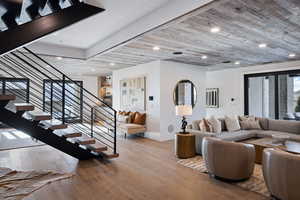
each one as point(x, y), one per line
point(48, 81)
point(275, 74)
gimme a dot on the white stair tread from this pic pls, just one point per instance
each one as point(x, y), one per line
point(97, 147)
point(23, 107)
point(7, 97)
point(84, 140)
point(53, 124)
point(68, 133)
point(39, 116)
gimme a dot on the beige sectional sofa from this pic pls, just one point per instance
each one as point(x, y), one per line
point(269, 127)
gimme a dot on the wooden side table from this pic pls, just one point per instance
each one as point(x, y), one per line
point(185, 145)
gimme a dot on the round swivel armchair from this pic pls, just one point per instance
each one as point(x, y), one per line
point(228, 161)
point(281, 173)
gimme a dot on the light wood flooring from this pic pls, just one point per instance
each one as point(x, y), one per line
point(145, 170)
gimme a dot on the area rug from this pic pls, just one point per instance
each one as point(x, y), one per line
point(15, 185)
point(255, 184)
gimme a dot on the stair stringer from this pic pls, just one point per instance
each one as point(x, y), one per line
point(47, 136)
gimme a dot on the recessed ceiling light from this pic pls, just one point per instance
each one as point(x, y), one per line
point(292, 55)
point(177, 53)
point(237, 62)
point(262, 45)
point(55, 34)
point(156, 48)
point(112, 64)
point(203, 57)
point(215, 29)
point(59, 58)
point(93, 70)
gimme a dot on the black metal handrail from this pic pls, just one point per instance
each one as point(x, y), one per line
point(27, 65)
point(47, 63)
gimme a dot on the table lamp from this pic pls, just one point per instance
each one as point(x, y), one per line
point(184, 110)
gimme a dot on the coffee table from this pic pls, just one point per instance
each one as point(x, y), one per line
point(261, 143)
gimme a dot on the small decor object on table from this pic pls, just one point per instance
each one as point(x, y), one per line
point(185, 146)
point(184, 110)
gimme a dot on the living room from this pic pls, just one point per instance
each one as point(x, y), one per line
point(166, 100)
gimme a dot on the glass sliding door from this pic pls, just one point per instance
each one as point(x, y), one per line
point(261, 93)
point(273, 95)
point(288, 96)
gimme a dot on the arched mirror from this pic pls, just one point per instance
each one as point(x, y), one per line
point(185, 93)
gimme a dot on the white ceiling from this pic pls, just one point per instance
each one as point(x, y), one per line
point(117, 15)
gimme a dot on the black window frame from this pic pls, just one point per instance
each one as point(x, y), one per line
point(273, 73)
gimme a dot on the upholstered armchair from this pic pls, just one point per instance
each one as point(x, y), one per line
point(228, 161)
point(281, 173)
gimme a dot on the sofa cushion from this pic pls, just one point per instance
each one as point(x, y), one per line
point(237, 135)
point(250, 125)
point(223, 124)
point(232, 123)
point(205, 126)
point(195, 124)
point(284, 126)
point(247, 118)
point(216, 124)
point(264, 123)
point(132, 128)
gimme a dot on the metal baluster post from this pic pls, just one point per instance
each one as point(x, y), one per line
point(63, 98)
point(27, 91)
point(92, 122)
point(115, 132)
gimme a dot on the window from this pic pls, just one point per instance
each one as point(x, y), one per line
point(273, 95)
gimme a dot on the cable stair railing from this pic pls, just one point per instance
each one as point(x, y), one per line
point(67, 97)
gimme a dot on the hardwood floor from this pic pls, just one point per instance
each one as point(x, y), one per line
point(145, 170)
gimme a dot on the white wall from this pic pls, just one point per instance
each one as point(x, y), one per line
point(90, 83)
point(161, 79)
point(152, 73)
point(231, 85)
point(171, 74)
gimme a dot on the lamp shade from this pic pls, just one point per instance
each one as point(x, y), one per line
point(184, 110)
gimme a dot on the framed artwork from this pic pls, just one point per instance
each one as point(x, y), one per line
point(133, 94)
point(212, 97)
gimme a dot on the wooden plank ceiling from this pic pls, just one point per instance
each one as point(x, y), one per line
point(244, 24)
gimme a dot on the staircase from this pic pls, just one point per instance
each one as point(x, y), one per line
point(24, 21)
point(51, 107)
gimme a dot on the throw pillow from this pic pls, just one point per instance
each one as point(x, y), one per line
point(131, 117)
point(232, 123)
point(122, 118)
point(195, 124)
point(139, 118)
point(223, 125)
point(216, 124)
point(250, 125)
point(122, 112)
point(205, 126)
point(246, 118)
